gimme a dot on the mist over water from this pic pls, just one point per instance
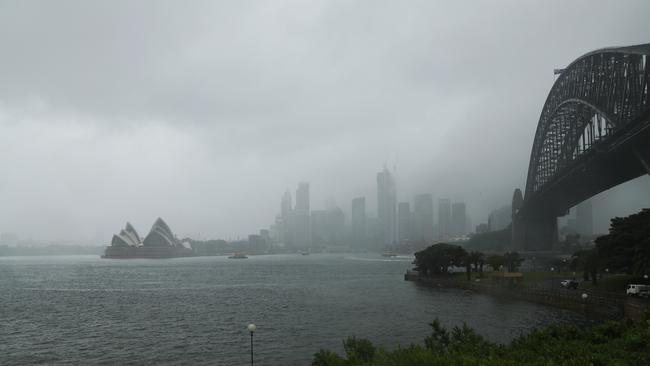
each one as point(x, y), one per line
point(80, 309)
point(258, 128)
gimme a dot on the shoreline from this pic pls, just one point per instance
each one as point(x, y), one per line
point(596, 305)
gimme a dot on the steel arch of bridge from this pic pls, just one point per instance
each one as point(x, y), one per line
point(596, 96)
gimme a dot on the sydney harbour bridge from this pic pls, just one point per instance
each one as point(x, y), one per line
point(593, 134)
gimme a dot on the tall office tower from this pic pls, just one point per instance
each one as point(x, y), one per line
point(444, 218)
point(301, 216)
point(373, 231)
point(302, 196)
point(285, 229)
point(386, 207)
point(458, 219)
point(500, 218)
point(335, 226)
point(423, 217)
point(404, 227)
point(585, 219)
point(319, 228)
point(358, 221)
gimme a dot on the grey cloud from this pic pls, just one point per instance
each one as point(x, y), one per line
point(204, 112)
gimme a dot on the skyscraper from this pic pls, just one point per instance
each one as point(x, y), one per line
point(335, 226)
point(319, 228)
point(386, 207)
point(358, 221)
point(444, 218)
point(458, 219)
point(404, 221)
point(423, 217)
point(285, 223)
point(585, 218)
point(301, 216)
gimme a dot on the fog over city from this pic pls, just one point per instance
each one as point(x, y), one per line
point(204, 113)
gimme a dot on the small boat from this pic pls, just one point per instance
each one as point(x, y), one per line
point(389, 254)
point(304, 253)
point(238, 256)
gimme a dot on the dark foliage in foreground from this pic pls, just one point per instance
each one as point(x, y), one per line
point(611, 343)
point(625, 249)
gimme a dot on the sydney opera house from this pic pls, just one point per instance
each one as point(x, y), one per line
point(159, 243)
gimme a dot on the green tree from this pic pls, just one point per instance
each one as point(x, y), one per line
point(610, 343)
point(359, 350)
point(439, 339)
point(437, 258)
point(477, 259)
point(495, 261)
point(589, 262)
point(513, 261)
point(325, 357)
point(627, 246)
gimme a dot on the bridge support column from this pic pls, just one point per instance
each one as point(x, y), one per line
point(518, 227)
point(531, 233)
point(643, 161)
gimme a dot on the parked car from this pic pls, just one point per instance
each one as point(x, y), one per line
point(570, 284)
point(638, 290)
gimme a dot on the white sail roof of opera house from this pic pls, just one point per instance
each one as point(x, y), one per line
point(127, 237)
point(160, 236)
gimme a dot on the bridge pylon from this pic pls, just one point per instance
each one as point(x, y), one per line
point(532, 232)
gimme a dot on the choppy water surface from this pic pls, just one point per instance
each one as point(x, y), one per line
point(85, 310)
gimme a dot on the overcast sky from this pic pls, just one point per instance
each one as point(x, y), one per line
point(203, 113)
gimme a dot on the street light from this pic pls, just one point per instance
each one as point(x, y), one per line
point(252, 328)
point(552, 278)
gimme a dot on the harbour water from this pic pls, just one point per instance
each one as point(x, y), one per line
point(85, 310)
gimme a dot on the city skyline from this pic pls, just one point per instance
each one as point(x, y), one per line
point(305, 227)
point(321, 95)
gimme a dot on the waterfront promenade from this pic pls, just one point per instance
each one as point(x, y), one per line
point(597, 305)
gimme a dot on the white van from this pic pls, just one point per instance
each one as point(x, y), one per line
point(638, 290)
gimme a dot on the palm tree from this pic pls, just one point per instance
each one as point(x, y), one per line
point(476, 259)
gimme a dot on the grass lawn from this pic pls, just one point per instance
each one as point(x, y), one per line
point(614, 283)
point(610, 283)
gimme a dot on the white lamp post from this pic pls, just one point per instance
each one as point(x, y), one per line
point(252, 328)
point(552, 278)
